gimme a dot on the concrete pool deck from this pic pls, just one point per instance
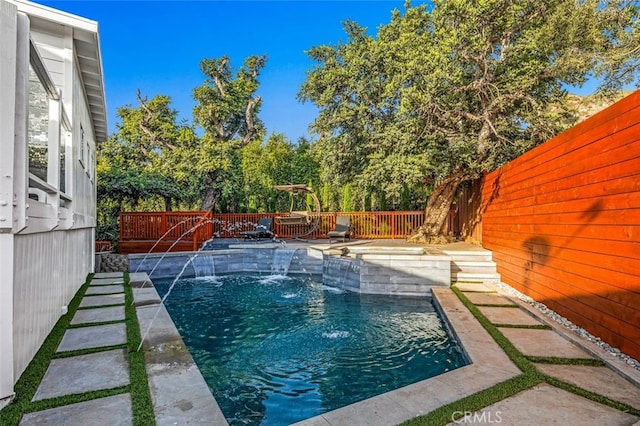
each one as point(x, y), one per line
point(180, 395)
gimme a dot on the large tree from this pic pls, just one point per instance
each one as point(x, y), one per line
point(227, 110)
point(442, 95)
point(144, 163)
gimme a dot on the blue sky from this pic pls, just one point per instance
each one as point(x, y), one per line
point(156, 46)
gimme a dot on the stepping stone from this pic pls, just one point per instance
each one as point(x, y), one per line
point(542, 343)
point(600, 380)
point(84, 373)
point(96, 336)
point(105, 289)
point(488, 299)
point(87, 316)
point(108, 275)
point(145, 296)
point(546, 405)
point(478, 287)
point(510, 316)
point(106, 281)
point(111, 299)
point(113, 410)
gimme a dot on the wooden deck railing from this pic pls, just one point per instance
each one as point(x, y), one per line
point(138, 227)
point(367, 225)
point(194, 227)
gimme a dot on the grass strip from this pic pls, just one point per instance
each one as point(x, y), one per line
point(592, 395)
point(99, 306)
point(496, 305)
point(566, 361)
point(140, 395)
point(105, 294)
point(531, 377)
point(528, 326)
point(450, 412)
point(87, 351)
point(93, 324)
point(75, 398)
point(514, 355)
point(28, 383)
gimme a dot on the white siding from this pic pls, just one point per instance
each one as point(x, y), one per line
point(84, 195)
point(49, 269)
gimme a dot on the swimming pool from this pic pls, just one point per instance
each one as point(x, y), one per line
point(275, 350)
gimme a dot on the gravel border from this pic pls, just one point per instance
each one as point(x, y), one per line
point(565, 322)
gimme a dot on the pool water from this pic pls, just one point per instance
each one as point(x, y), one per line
point(276, 350)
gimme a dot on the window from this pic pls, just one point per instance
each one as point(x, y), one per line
point(38, 130)
point(65, 141)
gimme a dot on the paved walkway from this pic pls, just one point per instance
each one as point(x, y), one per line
point(92, 356)
point(86, 361)
point(550, 347)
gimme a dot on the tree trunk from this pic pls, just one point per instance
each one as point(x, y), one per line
point(168, 203)
point(210, 198)
point(437, 210)
point(212, 192)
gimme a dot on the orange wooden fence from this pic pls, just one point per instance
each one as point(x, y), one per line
point(367, 225)
point(140, 230)
point(187, 229)
point(563, 222)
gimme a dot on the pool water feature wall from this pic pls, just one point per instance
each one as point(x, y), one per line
point(203, 266)
point(282, 261)
point(229, 261)
point(396, 271)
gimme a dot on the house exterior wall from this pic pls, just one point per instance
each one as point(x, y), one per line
point(48, 270)
point(47, 215)
point(563, 223)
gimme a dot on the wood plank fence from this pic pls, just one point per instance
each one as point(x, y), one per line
point(139, 231)
point(563, 223)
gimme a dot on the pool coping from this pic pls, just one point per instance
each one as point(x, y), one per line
point(179, 392)
point(170, 366)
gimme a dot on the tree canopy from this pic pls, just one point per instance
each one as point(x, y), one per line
point(444, 94)
point(439, 95)
point(227, 110)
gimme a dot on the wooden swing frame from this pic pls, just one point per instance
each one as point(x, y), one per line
point(309, 218)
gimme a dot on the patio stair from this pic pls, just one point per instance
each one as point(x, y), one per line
point(473, 266)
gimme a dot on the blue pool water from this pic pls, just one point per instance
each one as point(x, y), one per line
point(276, 350)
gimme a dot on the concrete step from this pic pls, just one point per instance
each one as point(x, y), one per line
point(469, 255)
point(480, 277)
point(473, 266)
